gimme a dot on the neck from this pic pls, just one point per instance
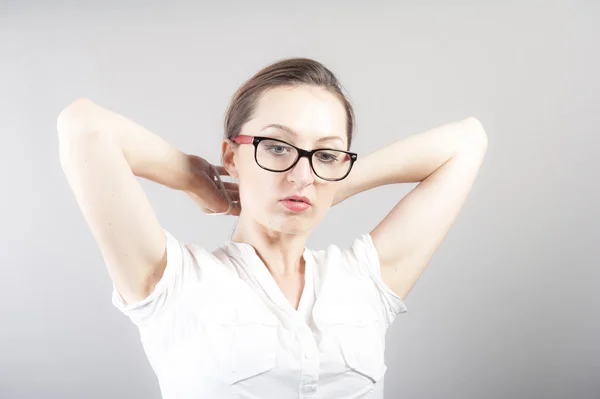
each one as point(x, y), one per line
point(280, 252)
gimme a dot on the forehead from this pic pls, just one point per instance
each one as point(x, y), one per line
point(312, 112)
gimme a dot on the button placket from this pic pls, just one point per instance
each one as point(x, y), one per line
point(310, 364)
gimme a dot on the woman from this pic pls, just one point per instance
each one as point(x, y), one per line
point(262, 316)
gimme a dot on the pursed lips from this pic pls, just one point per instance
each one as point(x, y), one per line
point(297, 198)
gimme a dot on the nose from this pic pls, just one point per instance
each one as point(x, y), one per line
point(301, 173)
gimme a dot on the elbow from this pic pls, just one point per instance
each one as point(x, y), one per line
point(74, 118)
point(475, 133)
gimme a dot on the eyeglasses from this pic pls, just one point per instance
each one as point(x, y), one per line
point(279, 156)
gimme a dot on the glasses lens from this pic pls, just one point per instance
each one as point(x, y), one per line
point(275, 155)
point(331, 164)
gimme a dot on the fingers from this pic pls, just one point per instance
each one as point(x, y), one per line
point(235, 209)
point(212, 196)
point(231, 207)
point(215, 173)
point(229, 198)
point(231, 188)
point(234, 195)
point(220, 170)
point(218, 197)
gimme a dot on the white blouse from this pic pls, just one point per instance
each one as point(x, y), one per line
point(218, 326)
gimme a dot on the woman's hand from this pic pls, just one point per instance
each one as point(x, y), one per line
point(209, 192)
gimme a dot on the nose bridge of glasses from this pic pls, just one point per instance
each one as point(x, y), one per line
point(302, 165)
point(304, 154)
point(303, 157)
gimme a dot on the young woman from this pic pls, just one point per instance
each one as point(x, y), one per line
point(262, 316)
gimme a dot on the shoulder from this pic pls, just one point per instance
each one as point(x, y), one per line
point(356, 257)
point(201, 254)
point(191, 271)
point(352, 273)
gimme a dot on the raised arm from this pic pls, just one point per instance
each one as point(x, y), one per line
point(101, 153)
point(446, 161)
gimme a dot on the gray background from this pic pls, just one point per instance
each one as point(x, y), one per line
point(508, 307)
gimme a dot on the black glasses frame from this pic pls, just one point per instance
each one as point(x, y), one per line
point(302, 153)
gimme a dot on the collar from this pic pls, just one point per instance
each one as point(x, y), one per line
point(247, 254)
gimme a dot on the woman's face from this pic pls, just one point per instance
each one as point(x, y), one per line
point(318, 120)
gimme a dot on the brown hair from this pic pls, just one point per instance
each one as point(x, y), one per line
point(288, 72)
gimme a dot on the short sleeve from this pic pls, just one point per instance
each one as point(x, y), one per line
point(365, 252)
point(180, 265)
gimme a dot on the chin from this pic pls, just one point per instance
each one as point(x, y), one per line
point(291, 224)
point(288, 223)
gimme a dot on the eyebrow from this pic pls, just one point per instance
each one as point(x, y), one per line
point(293, 133)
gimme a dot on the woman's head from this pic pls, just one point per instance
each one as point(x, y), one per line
point(300, 102)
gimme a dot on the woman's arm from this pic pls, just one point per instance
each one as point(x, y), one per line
point(445, 160)
point(101, 153)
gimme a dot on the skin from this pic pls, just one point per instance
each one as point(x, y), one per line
point(444, 160)
point(102, 153)
point(277, 234)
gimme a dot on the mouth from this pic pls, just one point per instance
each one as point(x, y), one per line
point(296, 203)
point(297, 198)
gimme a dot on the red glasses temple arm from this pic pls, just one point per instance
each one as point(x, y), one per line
point(243, 139)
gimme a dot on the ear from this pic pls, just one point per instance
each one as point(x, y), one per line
point(228, 156)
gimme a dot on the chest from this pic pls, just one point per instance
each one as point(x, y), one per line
point(292, 288)
point(229, 338)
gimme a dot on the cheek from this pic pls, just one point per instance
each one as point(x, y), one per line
point(327, 193)
point(252, 178)
point(258, 188)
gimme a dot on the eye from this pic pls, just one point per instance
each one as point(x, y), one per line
point(277, 149)
point(327, 157)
